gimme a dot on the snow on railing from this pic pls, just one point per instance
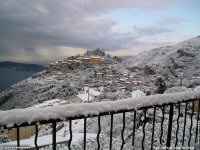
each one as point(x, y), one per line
point(29, 115)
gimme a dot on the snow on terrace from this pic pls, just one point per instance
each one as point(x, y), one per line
point(47, 140)
point(19, 116)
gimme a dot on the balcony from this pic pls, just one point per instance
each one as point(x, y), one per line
point(152, 122)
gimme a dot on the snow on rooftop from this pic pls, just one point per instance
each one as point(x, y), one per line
point(197, 88)
point(137, 93)
point(122, 79)
point(95, 57)
point(94, 92)
point(109, 75)
point(84, 97)
point(19, 116)
point(137, 81)
point(128, 82)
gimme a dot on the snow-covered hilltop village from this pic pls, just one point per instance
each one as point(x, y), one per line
point(163, 75)
point(94, 73)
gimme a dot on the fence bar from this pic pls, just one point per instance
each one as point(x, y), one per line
point(84, 139)
point(191, 120)
point(54, 135)
point(161, 125)
point(184, 123)
point(111, 128)
point(170, 125)
point(134, 123)
point(143, 129)
point(152, 137)
point(70, 132)
point(177, 121)
point(99, 131)
point(18, 139)
point(122, 133)
point(197, 124)
point(36, 136)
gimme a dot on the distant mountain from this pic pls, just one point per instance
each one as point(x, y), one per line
point(21, 66)
point(179, 60)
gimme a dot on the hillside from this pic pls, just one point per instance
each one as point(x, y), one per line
point(177, 65)
point(181, 59)
point(62, 79)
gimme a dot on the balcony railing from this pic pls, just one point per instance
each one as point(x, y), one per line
point(153, 122)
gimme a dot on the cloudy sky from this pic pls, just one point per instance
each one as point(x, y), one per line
point(41, 31)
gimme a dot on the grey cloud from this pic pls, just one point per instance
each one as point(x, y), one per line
point(29, 49)
point(78, 23)
point(43, 23)
point(99, 5)
point(172, 21)
point(151, 31)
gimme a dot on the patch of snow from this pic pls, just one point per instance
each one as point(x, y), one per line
point(176, 89)
point(94, 92)
point(137, 93)
point(85, 97)
point(197, 88)
point(52, 102)
point(47, 140)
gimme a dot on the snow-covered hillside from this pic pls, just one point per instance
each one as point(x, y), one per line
point(63, 79)
point(45, 86)
point(182, 59)
point(178, 65)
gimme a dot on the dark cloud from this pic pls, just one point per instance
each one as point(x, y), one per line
point(29, 49)
point(28, 25)
point(43, 23)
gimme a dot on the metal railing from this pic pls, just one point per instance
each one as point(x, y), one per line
point(166, 126)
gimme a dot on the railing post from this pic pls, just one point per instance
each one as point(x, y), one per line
point(85, 132)
point(197, 123)
point(154, 119)
point(18, 138)
point(170, 125)
point(70, 132)
point(54, 136)
point(111, 128)
point(134, 126)
point(99, 130)
point(36, 137)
